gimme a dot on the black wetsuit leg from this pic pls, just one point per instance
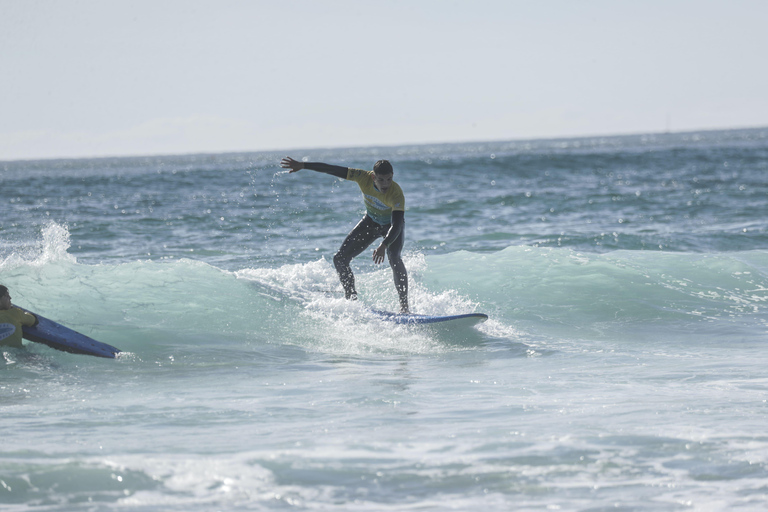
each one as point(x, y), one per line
point(360, 238)
point(356, 242)
point(398, 269)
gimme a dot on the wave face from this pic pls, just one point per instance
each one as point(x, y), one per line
point(626, 281)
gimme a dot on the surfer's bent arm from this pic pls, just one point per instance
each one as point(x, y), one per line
point(28, 318)
point(24, 317)
point(398, 221)
point(295, 166)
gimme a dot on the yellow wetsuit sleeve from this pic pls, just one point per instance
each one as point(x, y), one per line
point(27, 318)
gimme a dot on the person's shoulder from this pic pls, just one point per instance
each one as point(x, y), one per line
point(27, 318)
point(13, 314)
point(359, 175)
point(396, 196)
point(21, 313)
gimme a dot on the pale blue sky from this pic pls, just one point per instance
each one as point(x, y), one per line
point(96, 78)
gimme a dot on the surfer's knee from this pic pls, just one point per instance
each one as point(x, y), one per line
point(396, 262)
point(339, 261)
point(394, 259)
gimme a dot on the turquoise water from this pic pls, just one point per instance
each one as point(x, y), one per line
point(622, 367)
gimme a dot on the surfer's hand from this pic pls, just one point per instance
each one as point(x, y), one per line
point(290, 163)
point(378, 253)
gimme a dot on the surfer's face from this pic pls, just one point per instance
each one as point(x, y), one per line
point(5, 301)
point(383, 181)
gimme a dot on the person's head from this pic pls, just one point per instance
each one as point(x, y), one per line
point(5, 298)
point(383, 167)
point(383, 174)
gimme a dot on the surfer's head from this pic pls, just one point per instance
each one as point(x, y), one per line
point(383, 167)
point(382, 175)
point(5, 298)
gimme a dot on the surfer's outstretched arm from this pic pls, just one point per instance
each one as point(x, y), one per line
point(295, 166)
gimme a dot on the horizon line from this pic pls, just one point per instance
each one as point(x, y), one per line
point(392, 145)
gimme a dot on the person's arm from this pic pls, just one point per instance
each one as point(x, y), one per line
point(27, 318)
point(398, 221)
point(295, 166)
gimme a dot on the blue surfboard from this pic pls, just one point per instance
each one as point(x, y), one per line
point(467, 319)
point(65, 339)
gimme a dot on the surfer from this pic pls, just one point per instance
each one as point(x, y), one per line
point(11, 321)
point(385, 217)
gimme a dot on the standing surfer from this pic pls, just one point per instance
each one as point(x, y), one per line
point(385, 217)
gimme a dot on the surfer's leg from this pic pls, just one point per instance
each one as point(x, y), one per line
point(398, 271)
point(356, 242)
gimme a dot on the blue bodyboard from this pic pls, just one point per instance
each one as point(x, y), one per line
point(65, 339)
point(414, 319)
point(6, 330)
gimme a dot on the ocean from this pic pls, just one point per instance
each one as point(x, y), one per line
point(623, 367)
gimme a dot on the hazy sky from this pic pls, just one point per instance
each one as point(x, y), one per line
point(102, 77)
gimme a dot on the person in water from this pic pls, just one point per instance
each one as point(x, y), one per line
point(11, 321)
point(385, 217)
